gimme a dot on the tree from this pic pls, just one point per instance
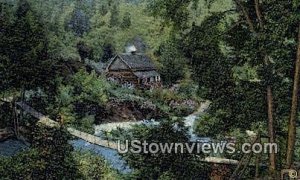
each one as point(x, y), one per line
point(270, 71)
point(294, 109)
point(79, 22)
point(211, 69)
point(25, 50)
point(54, 154)
point(49, 157)
point(82, 99)
point(268, 67)
point(108, 52)
point(163, 165)
point(84, 51)
point(250, 44)
point(6, 24)
point(126, 20)
point(173, 63)
point(173, 12)
point(114, 17)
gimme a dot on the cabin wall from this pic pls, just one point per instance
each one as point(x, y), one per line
point(123, 76)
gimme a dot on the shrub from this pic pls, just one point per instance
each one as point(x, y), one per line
point(163, 165)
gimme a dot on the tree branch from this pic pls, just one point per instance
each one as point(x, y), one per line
point(258, 14)
point(246, 15)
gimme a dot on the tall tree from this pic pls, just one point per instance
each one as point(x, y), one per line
point(294, 110)
point(84, 51)
point(54, 154)
point(267, 65)
point(25, 49)
point(6, 26)
point(79, 22)
point(252, 46)
point(108, 52)
point(171, 59)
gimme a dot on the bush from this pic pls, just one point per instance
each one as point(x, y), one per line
point(85, 124)
point(163, 165)
point(50, 158)
point(5, 115)
point(28, 164)
point(92, 166)
point(81, 99)
point(208, 126)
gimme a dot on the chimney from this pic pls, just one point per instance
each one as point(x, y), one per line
point(131, 49)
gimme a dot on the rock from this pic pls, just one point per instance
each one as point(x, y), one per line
point(5, 134)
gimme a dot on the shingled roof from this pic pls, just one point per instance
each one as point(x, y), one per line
point(137, 61)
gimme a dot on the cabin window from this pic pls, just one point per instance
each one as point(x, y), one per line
point(157, 78)
point(144, 81)
point(152, 79)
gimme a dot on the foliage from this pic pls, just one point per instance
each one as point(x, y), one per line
point(210, 68)
point(79, 22)
point(234, 76)
point(49, 158)
point(54, 153)
point(108, 52)
point(174, 12)
point(5, 115)
point(23, 49)
point(203, 124)
point(172, 61)
point(20, 166)
point(155, 166)
point(96, 23)
point(29, 164)
point(90, 87)
point(187, 87)
point(126, 20)
point(236, 59)
point(84, 51)
point(208, 47)
point(114, 17)
point(82, 98)
point(92, 166)
point(180, 101)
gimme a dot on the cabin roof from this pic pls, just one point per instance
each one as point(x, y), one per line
point(136, 61)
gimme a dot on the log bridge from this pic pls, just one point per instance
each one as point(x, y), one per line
point(79, 134)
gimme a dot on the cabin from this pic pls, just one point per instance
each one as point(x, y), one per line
point(133, 69)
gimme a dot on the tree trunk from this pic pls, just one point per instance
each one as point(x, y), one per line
point(272, 158)
point(294, 109)
point(21, 111)
point(258, 159)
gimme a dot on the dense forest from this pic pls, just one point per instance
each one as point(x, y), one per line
point(240, 56)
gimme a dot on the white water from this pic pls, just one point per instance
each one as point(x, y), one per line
point(189, 122)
